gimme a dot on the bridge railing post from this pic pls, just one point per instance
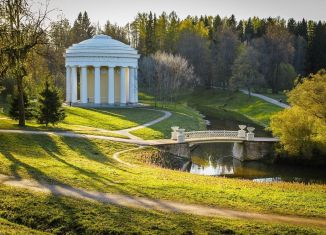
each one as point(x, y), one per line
point(251, 135)
point(242, 132)
point(174, 133)
point(181, 135)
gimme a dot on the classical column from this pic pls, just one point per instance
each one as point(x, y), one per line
point(97, 86)
point(83, 86)
point(127, 79)
point(131, 85)
point(74, 84)
point(136, 86)
point(68, 84)
point(123, 86)
point(111, 86)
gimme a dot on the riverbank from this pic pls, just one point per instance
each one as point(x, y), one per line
point(89, 164)
point(240, 107)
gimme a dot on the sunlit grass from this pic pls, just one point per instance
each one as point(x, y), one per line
point(89, 164)
point(182, 116)
point(63, 215)
point(91, 121)
point(251, 107)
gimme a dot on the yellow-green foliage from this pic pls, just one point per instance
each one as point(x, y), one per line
point(302, 128)
point(311, 95)
point(296, 129)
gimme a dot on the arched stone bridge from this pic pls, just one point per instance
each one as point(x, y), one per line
point(196, 137)
point(246, 146)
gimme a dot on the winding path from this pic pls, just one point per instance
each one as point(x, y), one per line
point(266, 98)
point(142, 202)
point(85, 136)
point(152, 204)
point(132, 138)
point(127, 131)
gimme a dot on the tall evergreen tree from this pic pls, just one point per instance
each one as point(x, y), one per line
point(292, 26)
point(150, 35)
point(14, 107)
point(82, 28)
point(50, 108)
point(317, 48)
point(116, 32)
point(302, 29)
point(249, 31)
point(232, 22)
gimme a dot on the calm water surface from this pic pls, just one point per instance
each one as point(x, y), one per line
point(216, 160)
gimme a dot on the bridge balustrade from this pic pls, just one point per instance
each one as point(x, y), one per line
point(210, 134)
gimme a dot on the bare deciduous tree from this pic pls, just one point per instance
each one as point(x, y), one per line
point(166, 75)
point(21, 30)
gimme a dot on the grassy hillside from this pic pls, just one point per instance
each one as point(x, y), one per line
point(62, 215)
point(97, 121)
point(250, 107)
point(89, 164)
point(182, 116)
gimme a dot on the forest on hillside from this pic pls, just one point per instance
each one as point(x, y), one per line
point(252, 53)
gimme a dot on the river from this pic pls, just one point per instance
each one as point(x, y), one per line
point(216, 159)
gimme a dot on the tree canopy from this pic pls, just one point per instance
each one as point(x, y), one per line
point(302, 127)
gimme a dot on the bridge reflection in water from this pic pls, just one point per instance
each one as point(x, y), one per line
point(216, 160)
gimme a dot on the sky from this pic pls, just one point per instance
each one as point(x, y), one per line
point(124, 11)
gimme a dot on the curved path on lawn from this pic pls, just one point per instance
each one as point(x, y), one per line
point(132, 139)
point(266, 98)
point(85, 136)
point(142, 202)
point(152, 204)
point(127, 131)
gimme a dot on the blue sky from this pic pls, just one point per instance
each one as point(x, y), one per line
point(123, 11)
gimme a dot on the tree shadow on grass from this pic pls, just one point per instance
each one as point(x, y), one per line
point(63, 215)
point(95, 181)
point(89, 149)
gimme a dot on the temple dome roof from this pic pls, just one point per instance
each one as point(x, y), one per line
point(101, 45)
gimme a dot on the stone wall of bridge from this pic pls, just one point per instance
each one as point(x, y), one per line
point(250, 150)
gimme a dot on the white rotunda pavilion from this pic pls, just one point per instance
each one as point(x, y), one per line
point(101, 71)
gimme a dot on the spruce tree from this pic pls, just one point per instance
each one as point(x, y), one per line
point(14, 107)
point(50, 109)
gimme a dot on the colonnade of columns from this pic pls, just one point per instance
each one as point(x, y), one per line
point(127, 94)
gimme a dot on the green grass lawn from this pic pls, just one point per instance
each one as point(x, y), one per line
point(182, 116)
point(88, 164)
point(62, 215)
point(9, 228)
point(91, 121)
point(253, 108)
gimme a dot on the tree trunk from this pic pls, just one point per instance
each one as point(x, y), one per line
point(275, 80)
point(21, 102)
